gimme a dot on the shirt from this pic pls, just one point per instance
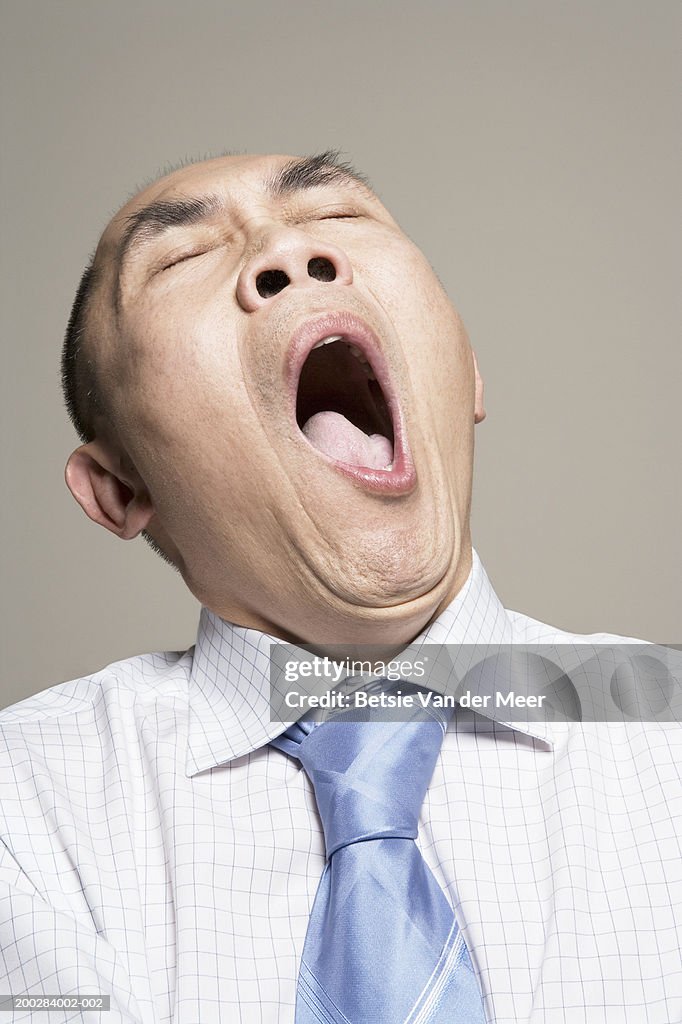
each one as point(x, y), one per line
point(157, 850)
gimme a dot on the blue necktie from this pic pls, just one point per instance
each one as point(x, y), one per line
point(383, 945)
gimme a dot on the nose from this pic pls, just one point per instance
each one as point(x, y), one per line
point(289, 258)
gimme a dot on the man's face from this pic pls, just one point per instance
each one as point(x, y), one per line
point(298, 494)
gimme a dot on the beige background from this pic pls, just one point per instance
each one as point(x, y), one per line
point(528, 147)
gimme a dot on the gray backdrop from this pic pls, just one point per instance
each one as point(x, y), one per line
point(528, 147)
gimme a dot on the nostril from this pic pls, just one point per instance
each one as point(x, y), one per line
point(321, 269)
point(271, 282)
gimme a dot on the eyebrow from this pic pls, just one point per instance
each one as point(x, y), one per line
point(298, 175)
point(313, 171)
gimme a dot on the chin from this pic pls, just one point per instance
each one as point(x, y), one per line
point(390, 571)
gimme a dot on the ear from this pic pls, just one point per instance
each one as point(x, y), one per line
point(115, 499)
point(479, 411)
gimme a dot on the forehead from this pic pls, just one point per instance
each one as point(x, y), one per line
point(226, 175)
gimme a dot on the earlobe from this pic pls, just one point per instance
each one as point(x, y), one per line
point(93, 477)
point(479, 411)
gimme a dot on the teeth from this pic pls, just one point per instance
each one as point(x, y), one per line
point(357, 353)
point(353, 349)
point(389, 466)
point(328, 341)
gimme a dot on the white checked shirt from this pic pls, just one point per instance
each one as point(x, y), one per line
point(155, 849)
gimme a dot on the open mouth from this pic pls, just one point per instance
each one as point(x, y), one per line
point(346, 404)
point(341, 407)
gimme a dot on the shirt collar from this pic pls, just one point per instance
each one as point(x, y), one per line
point(229, 685)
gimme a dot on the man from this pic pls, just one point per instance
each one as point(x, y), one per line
point(273, 387)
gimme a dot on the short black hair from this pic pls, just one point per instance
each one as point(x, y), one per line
point(79, 384)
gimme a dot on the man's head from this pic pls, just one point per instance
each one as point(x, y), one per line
point(220, 365)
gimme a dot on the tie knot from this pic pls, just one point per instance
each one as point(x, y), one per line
point(370, 778)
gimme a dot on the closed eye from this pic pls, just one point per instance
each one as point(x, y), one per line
point(175, 261)
point(330, 212)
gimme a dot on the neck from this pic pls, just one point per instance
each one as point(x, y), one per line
point(371, 634)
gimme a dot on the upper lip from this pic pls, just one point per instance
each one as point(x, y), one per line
point(357, 332)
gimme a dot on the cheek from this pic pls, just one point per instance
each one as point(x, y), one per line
point(439, 378)
point(409, 290)
point(432, 338)
point(180, 390)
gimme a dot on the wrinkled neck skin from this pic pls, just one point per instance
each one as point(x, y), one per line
point(346, 633)
point(385, 641)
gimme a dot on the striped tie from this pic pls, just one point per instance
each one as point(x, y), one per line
point(383, 945)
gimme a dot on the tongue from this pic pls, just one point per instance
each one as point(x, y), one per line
point(340, 439)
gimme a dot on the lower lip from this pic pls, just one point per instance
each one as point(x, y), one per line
point(401, 479)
